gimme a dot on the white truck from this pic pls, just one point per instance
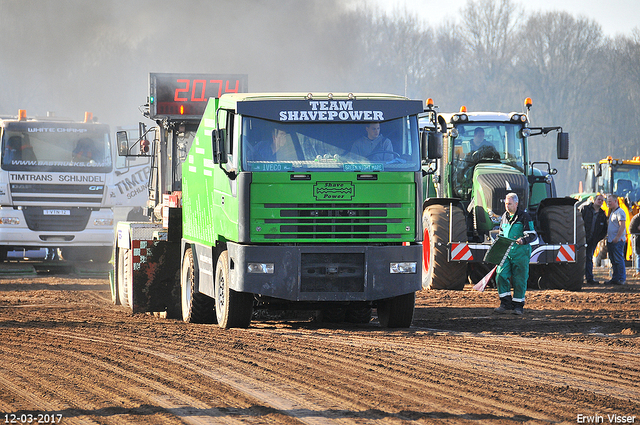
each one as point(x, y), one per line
point(55, 177)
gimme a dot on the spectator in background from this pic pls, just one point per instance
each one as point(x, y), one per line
point(616, 238)
point(595, 227)
point(634, 230)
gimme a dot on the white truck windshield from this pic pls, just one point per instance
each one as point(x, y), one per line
point(56, 147)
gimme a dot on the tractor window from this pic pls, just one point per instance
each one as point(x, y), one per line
point(626, 181)
point(330, 146)
point(489, 142)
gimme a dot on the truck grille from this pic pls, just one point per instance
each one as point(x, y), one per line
point(76, 220)
point(332, 221)
point(26, 193)
point(332, 272)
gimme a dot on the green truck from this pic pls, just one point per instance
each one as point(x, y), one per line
point(464, 201)
point(271, 202)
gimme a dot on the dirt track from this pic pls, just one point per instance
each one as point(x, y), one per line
point(66, 350)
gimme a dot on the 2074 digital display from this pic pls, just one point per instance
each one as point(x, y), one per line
point(186, 95)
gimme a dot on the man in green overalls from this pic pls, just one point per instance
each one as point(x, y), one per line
point(514, 271)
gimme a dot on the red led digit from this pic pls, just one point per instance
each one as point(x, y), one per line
point(193, 91)
point(219, 83)
point(182, 90)
point(228, 90)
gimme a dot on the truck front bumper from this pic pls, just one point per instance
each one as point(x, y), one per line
point(326, 273)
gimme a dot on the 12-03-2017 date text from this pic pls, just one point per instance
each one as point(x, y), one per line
point(32, 418)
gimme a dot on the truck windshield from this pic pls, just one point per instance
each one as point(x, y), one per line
point(330, 146)
point(488, 141)
point(65, 147)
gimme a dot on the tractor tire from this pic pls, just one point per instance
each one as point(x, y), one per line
point(437, 271)
point(397, 312)
point(233, 309)
point(196, 307)
point(358, 314)
point(557, 226)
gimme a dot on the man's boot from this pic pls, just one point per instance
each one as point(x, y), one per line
point(518, 308)
point(506, 305)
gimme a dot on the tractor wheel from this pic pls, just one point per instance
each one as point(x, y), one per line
point(196, 307)
point(557, 226)
point(437, 271)
point(233, 309)
point(397, 312)
point(358, 314)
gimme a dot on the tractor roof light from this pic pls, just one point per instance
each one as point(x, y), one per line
point(22, 114)
point(528, 103)
point(429, 103)
point(453, 133)
point(526, 132)
point(463, 108)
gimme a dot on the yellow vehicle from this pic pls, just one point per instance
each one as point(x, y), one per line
point(620, 177)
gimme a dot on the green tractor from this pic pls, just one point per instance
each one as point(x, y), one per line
point(486, 156)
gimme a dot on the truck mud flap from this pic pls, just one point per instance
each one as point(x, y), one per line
point(156, 281)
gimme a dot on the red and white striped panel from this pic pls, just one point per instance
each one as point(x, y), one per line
point(566, 253)
point(461, 252)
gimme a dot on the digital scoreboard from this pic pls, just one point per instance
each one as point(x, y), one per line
point(186, 95)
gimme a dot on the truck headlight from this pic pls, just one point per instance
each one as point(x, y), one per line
point(403, 268)
point(260, 268)
point(10, 220)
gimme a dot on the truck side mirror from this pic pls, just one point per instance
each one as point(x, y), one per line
point(431, 145)
point(563, 145)
point(122, 140)
point(219, 152)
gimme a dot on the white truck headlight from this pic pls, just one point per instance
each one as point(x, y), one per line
point(260, 268)
point(409, 267)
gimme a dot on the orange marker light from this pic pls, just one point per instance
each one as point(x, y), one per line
point(528, 102)
point(429, 103)
point(463, 109)
point(181, 109)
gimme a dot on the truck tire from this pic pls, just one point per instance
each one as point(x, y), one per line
point(397, 312)
point(437, 271)
point(557, 227)
point(124, 280)
point(118, 276)
point(233, 309)
point(196, 307)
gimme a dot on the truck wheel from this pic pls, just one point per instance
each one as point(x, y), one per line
point(437, 271)
point(118, 277)
point(196, 307)
point(558, 228)
point(124, 284)
point(397, 312)
point(233, 309)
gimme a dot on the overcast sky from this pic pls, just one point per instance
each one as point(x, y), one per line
point(615, 16)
